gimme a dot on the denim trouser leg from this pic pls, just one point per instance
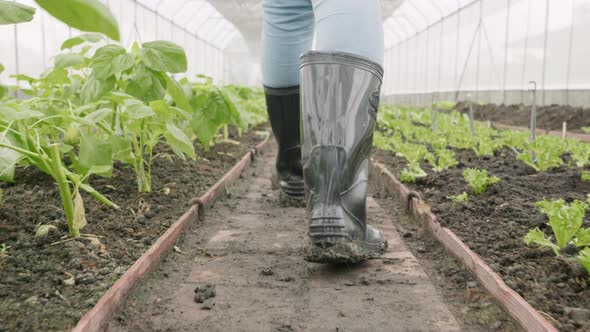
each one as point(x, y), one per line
point(352, 26)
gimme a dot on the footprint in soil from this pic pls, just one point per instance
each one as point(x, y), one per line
point(204, 292)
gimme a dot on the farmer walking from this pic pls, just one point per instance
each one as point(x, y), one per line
point(322, 98)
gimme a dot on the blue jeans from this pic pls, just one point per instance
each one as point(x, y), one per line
point(352, 26)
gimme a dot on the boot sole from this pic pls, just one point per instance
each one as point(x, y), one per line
point(342, 252)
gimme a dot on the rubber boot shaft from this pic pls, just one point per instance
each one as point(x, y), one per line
point(340, 100)
point(284, 113)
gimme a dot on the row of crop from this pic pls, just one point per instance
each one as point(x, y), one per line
point(422, 135)
point(101, 103)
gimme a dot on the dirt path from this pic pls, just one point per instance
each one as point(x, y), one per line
point(250, 249)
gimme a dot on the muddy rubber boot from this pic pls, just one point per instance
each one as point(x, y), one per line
point(339, 101)
point(282, 106)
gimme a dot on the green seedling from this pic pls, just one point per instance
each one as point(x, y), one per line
point(479, 180)
point(464, 197)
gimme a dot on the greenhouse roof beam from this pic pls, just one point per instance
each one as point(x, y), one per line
point(175, 24)
point(459, 8)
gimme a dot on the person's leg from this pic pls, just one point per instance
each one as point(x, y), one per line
point(340, 86)
point(351, 26)
point(287, 33)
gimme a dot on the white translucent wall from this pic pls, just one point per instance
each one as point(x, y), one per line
point(28, 48)
point(489, 49)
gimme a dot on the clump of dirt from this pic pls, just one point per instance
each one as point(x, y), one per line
point(204, 292)
point(548, 117)
point(493, 225)
point(49, 286)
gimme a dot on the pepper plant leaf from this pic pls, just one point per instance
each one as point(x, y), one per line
point(178, 95)
point(179, 142)
point(95, 88)
point(84, 15)
point(110, 59)
point(85, 37)
point(12, 12)
point(69, 60)
point(95, 156)
point(164, 56)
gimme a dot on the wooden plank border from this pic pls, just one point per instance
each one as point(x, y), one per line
point(96, 319)
point(523, 313)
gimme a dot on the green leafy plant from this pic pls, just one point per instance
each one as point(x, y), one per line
point(34, 137)
point(580, 152)
point(584, 258)
point(582, 238)
point(479, 180)
point(585, 175)
point(442, 159)
point(212, 109)
point(543, 153)
point(4, 250)
point(84, 15)
point(464, 197)
point(485, 146)
point(12, 12)
point(411, 173)
point(586, 130)
point(565, 221)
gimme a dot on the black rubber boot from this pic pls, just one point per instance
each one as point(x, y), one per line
point(339, 101)
point(284, 114)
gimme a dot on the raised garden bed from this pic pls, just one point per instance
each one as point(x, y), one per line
point(493, 226)
point(548, 117)
point(48, 285)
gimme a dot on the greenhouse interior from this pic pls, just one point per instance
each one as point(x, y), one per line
point(294, 165)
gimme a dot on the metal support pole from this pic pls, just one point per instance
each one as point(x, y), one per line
point(544, 70)
point(526, 48)
point(16, 55)
point(506, 37)
point(43, 41)
point(456, 80)
point(478, 65)
point(426, 62)
point(569, 55)
point(440, 53)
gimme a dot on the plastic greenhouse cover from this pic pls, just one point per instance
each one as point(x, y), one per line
point(414, 16)
point(198, 17)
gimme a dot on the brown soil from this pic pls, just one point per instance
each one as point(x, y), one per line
point(494, 224)
point(35, 291)
point(548, 117)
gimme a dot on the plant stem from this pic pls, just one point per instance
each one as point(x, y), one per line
point(64, 188)
point(19, 150)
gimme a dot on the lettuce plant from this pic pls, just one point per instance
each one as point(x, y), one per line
point(464, 197)
point(545, 152)
point(584, 258)
point(580, 152)
point(442, 159)
point(565, 221)
point(479, 180)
